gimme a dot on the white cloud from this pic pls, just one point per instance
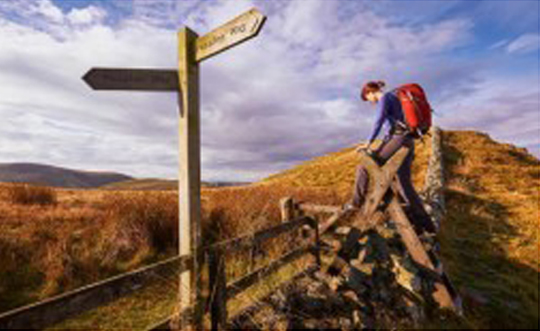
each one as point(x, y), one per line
point(88, 15)
point(286, 96)
point(507, 113)
point(47, 9)
point(526, 43)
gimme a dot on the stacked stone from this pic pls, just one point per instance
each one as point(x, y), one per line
point(382, 278)
point(377, 286)
point(433, 193)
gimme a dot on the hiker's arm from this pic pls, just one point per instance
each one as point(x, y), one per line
point(381, 116)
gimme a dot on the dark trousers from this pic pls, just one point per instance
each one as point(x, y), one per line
point(391, 144)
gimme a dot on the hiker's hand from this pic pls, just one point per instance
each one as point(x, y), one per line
point(362, 147)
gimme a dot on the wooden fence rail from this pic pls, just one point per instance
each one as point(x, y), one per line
point(221, 290)
point(56, 309)
point(51, 311)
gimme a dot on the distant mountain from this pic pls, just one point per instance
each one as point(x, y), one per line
point(152, 184)
point(41, 174)
point(156, 184)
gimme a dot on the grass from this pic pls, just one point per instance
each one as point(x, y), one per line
point(30, 194)
point(336, 171)
point(93, 234)
point(489, 237)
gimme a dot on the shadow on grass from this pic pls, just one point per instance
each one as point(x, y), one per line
point(498, 292)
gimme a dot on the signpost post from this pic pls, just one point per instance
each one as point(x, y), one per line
point(191, 51)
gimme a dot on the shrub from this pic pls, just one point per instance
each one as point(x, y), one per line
point(145, 218)
point(31, 195)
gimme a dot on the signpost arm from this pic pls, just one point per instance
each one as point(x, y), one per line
point(189, 176)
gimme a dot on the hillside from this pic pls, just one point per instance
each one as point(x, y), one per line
point(489, 238)
point(336, 171)
point(56, 176)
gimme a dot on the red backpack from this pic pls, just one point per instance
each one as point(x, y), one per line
point(416, 108)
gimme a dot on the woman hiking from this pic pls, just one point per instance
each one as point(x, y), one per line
point(390, 112)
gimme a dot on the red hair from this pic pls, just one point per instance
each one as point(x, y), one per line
point(371, 87)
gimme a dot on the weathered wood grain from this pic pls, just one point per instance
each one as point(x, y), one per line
point(264, 235)
point(189, 173)
point(230, 34)
point(381, 177)
point(441, 294)
point(318, 208)
point(286, 206)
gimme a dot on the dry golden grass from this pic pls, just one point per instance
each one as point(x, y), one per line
point(336, 171)
point(93, 234)
point(30, 194)
point(490, 235)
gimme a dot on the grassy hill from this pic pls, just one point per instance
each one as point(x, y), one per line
point(489, 237)
point(56, 176)
point(336, 171)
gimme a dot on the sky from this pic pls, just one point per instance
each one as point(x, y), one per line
point(287, 96)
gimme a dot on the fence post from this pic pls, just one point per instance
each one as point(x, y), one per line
point(189, 178)
point(286, 206)
point(218, 289)
point(317, 243)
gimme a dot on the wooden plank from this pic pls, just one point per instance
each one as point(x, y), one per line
point(324, 226)
point(189, 183)
point(263, 235)
point(232, 33)
point(318, 208)
point(243, 283)
point(381, 178)
point(441, 294)
point(283, 228)
point(56, 309)
point(132, 79)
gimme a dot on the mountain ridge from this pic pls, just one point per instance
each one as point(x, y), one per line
point(49, 175)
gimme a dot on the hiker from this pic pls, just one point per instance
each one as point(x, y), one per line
point(398, 134)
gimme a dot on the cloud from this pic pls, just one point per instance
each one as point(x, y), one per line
point(47, 9)
point(88, 15)
point(508, 113)
point(284, 97)
point(526, 43)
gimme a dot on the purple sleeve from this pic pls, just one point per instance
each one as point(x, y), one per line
point(381, 117)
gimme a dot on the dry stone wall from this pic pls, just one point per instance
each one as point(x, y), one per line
point(433, 193)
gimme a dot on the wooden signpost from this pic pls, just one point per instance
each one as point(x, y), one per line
point(192, 49)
